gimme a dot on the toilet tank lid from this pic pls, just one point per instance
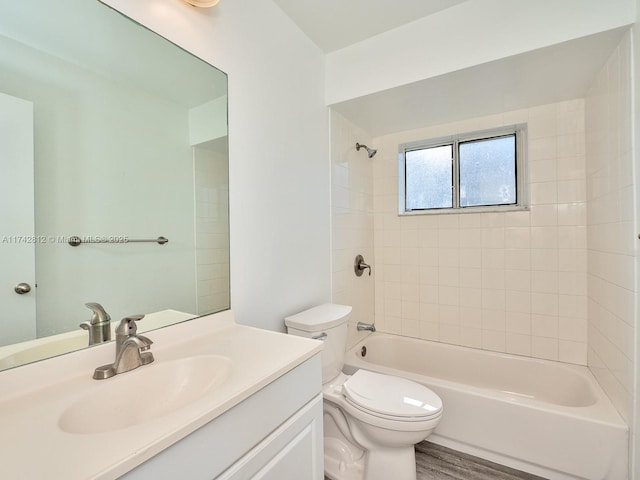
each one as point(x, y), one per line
point(319, 318)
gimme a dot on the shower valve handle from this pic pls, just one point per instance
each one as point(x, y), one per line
point(359, 266)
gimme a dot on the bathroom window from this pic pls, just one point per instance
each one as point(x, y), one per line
point(468, 172)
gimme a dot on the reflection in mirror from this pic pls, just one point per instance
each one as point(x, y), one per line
point(111, 133)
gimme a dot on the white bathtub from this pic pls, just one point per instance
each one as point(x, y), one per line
point(547, 418)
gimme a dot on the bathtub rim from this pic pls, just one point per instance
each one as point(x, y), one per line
point(602, 411)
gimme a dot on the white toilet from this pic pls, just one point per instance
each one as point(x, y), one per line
point(371, 421)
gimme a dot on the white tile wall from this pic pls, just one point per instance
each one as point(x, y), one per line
point(611, 236)
point(211, 177)
point(511, 281)
point(352, 221)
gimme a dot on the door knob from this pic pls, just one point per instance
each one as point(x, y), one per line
point(22, 288)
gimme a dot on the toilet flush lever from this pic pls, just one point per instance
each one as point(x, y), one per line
point(359, 266)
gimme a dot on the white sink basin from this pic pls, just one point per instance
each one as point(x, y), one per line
point(144, 394)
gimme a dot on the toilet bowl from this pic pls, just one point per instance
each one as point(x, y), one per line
point(371, 421)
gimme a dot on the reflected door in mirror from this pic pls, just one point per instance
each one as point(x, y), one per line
point(17, 244)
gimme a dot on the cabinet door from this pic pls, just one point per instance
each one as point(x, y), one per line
point(297, 460)
point(293, 452)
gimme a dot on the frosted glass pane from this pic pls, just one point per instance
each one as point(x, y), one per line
point(428, 178)
point(488, 172)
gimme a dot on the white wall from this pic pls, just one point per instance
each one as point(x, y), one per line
point(456, 38)
point(352, 222)
point(208, 121)
point(611, 237)
point(612, 260)
point(278, 147)
point(634, 454)
point(511, 282)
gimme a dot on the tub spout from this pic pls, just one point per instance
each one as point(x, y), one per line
point(370, 327)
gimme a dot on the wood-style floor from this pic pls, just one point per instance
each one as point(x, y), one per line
point(435, 462)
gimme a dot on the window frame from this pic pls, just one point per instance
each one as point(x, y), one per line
point(522, 193)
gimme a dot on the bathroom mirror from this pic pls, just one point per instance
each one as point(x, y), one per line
point(112, 134)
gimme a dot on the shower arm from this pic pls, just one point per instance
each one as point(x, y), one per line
point(370, 151)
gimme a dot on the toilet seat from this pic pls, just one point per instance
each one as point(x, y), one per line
point(390, 397)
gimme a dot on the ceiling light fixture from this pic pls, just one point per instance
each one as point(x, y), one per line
point(202, 3)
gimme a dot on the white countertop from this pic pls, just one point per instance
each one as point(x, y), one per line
point(33, 398)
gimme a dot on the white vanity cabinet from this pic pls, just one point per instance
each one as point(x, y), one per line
point(293, 451)
point(275, 434)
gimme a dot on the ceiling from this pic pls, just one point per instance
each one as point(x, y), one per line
point(335, 24)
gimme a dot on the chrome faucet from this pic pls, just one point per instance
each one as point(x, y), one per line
point(99, 325)
point(131, 350)
point(360, 326)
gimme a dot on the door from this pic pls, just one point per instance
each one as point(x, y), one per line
point(17, 240)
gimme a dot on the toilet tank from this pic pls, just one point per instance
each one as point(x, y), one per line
point(330, 320)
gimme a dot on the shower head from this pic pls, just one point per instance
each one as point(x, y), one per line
point(370, 151)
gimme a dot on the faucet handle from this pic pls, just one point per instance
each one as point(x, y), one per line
point(128, 325)
point(87, 326)
point(99, 315)
point(359, 266)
